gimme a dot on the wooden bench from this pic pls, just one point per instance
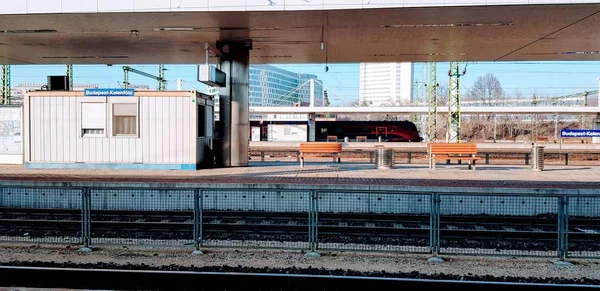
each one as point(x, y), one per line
point(332, 138)
point(320, 149)
point(452, 151)
point(361, 138)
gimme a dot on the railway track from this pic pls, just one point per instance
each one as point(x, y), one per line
point(518, 232)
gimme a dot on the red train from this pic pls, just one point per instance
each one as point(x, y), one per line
point(392, 131)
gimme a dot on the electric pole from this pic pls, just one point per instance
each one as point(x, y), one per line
point(5, 85)
point(432, 88)
point(70, 76)
point(162, 83)
point(453, 132)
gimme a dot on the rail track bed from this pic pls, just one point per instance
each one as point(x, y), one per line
point(457, 231)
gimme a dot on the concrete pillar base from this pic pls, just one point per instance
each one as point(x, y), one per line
point(84, 250)
point(312, 255)
point(435, 260)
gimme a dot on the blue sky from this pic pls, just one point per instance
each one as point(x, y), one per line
point(545, 79)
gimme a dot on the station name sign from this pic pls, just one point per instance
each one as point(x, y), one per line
point(109, 92)
point(579, 133)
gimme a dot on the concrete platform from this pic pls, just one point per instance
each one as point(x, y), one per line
point(327, 173)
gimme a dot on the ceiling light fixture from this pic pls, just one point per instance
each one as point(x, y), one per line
point(174, 29)
point(582, 53)
point(415, 54)
point(459, 24)
point(29, 31)
point(216, 29)
point(88, 57)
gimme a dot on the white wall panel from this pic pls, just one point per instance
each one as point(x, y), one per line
point(53, 142)
point(303, 5)
point(464, 2)
point(186, 130)
point(192, 144)
point(179, 130)
point(60, 129)
point(46, 127)
point(158, 140)
point(115, 5)
point(85, 148)
point(343, 4)
point(152, 5)
point(131, 150)
point(81, 6)
point(173, 129)
point(150, 137)
point(507, 2)
point(227, 5)
point(73, 129)
point(105, 150)
point(13, 7)
point(264, 5)
point(425, 3)
point(99, 149)
point(189, 5)
point(36, 128)
point(118, 149)
point(387, 3)
point(43, 6)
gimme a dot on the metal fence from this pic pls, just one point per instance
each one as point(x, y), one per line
point(528, 224)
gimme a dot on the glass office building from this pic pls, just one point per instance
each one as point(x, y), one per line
point(273, 86)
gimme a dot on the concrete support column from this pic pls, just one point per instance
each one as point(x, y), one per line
point(234, 105)
point(312, 127)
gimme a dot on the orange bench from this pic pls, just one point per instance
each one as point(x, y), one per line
point(320, 149)
point(452, 151)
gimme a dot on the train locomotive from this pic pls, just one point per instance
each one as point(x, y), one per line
point(389, 131)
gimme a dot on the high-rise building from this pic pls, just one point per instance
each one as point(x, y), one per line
point(272, 86)
point(385, 84)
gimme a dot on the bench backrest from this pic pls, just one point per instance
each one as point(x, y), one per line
point(453, 148)
point(321, 147)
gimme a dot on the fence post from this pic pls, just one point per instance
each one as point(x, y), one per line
point(86, 219)
point(434, 229)
point(313, 224)
point(198, 207)
point(563, 230)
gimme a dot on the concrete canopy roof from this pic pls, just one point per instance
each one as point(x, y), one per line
point(474, 33)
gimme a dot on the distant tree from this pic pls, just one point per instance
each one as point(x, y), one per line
point(487, 88)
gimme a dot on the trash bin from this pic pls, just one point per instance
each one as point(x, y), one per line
point(384, 158)
point(537, 158)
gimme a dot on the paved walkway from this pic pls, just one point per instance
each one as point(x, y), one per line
point(323, 173)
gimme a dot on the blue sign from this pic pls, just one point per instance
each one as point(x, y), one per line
point(109, 92)
point(579, 133)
